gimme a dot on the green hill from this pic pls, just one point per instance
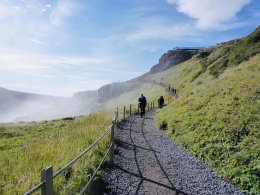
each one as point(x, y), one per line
point(216, 116)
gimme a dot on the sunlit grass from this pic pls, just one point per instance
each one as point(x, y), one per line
point(25, 149)
point(218, 119)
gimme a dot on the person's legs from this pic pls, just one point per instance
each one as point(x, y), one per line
point(142, 111)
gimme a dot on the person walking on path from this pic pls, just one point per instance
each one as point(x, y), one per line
point(142, 104)
point(161, 102)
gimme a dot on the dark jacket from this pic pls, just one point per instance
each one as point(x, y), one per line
point(142, 101)
point(161, 100)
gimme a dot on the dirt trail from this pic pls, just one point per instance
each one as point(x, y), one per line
point(148, 162)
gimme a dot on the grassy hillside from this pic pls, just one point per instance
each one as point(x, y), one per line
point(151, 91)
point(217, 117)
point(27, 148)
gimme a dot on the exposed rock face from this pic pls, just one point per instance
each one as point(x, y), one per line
point(174, 57)
point(204, 54)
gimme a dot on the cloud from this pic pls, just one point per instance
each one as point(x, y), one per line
point(64, 8)
point(162, 30)
point(39, 73)
point(13, 60)
point(211, 14)
point(34, 41)
point(22, 25)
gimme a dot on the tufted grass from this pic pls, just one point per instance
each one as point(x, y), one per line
point(25, 149)
point(218, 119)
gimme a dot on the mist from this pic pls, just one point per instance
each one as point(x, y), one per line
point(18, 106)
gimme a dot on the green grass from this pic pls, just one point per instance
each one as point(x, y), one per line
point(231, 54)
point(25, 149)
point(217, 119)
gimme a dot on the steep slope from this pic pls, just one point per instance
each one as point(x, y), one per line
point(217, 117)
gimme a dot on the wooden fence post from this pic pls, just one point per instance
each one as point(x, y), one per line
point(117, 119)
point(124, 112)
point(112, 143)
point(130, 110)
point(47, 178)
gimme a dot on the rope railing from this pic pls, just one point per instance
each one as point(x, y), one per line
point(47, 175)
point(94, 174)
point(35, 188)
point(84, 152)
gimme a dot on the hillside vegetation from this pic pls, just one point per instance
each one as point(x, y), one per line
point(217, 117)
point(25, 149)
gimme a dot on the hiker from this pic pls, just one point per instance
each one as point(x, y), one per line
point(161, 102)
point(142, 104)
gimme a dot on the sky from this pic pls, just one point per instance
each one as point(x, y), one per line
point(59, 47)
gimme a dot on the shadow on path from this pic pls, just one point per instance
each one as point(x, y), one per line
point(140, 175)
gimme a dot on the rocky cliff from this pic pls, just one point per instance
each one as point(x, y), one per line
point(174, 57)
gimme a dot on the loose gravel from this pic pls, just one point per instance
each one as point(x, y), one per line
point(148, 162)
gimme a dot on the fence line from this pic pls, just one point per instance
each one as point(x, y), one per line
point(84, 152)
point(94, 174)
point(172, 91)
point(47, 176)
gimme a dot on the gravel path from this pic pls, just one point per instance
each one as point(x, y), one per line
point(148, 162)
